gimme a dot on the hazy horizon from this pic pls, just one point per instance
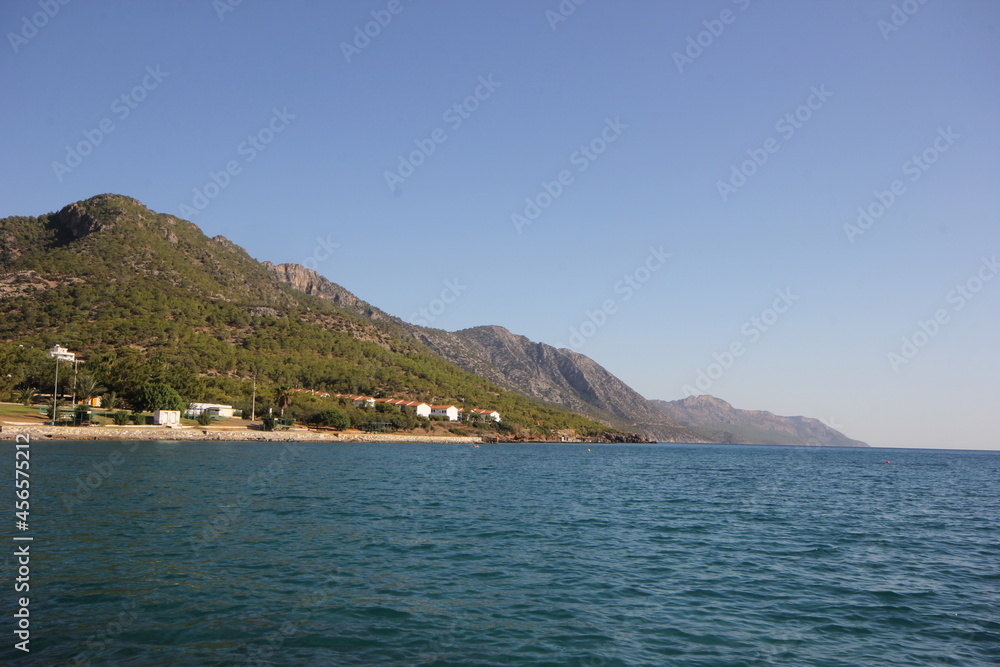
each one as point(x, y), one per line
point(783, 205)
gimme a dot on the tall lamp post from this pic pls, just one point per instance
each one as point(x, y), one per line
point(59, 353)
point(253, 399)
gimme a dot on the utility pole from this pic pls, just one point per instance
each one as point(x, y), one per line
point(253, 400)
point(76, 364)
point(55, 386)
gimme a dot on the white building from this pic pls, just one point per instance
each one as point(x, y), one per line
point(418, 408)
point(363, 401)
point(449, 411)
point(62, 353)
point(212, 409)
point(487, 414)
point(167, 417)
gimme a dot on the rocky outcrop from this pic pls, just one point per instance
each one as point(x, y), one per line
point(310, 282)
point(80, 223)
point(719, 421)
point(77, 219)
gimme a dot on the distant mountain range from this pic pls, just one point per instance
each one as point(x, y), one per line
point(718, 421)
point(107, 272)
point(570, 379)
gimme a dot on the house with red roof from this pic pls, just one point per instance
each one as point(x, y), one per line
point(486, 414)
point(449, 411)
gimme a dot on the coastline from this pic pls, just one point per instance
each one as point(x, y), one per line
point(43, 433)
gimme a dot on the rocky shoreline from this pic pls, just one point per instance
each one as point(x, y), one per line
point(39, 433)
point(193, 433)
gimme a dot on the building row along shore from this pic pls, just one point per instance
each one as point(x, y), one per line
point(421, 409)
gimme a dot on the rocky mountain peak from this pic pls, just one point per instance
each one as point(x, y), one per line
point(704, 401)
point(100, 212)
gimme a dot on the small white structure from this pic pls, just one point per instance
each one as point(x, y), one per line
point(167, 417)
point(212, 409)
point(419, 409)
point(449, 411)
point(492, 415)
point(363, 401)
point(358, 401)
point(415, 407)
point(62, 353)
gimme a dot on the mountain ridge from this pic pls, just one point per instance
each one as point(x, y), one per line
point(716, 419)
point(573, 380)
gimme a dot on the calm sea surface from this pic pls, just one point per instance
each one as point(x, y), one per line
point(403, 554)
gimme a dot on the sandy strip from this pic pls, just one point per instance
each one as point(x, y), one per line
point(38, 433)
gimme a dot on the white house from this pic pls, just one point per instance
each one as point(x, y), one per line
point(418, 408)
point(62, 353)
point(212, 409)
point(357, 401)
point(167, 417)
point(363, 401)
point(449, 411)
point(487, 414)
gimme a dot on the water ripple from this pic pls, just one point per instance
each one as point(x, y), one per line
point(225, 554)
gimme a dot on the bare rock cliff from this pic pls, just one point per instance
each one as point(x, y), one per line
point(310, 282)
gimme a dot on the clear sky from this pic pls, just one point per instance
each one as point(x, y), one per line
point(636, 180)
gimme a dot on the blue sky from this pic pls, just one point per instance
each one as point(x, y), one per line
point(621, 128)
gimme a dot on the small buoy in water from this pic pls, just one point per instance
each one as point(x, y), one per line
point(886, 461)
point(589, 450)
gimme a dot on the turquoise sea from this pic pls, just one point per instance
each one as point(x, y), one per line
point(405, 554)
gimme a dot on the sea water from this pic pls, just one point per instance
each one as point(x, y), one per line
point(404, 554)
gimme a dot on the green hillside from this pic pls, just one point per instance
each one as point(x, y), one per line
point(146, 297)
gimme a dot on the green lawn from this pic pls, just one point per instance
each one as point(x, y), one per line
point(20, 413)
